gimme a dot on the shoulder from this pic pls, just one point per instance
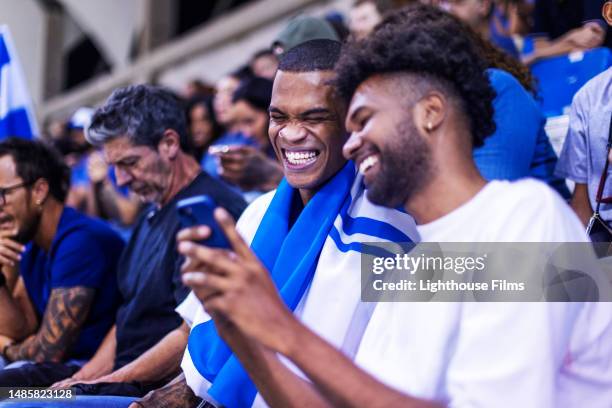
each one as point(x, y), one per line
point(595, 90)
point(501, 79)
point(84, 232)
point(249, 221)
point(529, 210)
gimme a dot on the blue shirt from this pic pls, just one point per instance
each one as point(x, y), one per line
point(84, 252)
point(519, 147)
point(583, 156)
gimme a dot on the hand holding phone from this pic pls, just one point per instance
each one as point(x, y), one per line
point(198, 210)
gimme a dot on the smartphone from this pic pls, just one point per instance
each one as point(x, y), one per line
point(198, 210)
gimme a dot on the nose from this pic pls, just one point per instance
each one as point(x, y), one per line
point(293, 133)
point(122, 176)
point(352, 145)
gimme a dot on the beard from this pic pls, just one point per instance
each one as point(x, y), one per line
point(405, 167)
point(28, 229)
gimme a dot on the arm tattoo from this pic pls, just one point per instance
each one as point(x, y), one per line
point(66, 312)
point(175, 394)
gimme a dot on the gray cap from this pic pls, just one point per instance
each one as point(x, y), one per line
point(301, 29)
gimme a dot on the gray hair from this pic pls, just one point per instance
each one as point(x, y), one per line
point(142, 113)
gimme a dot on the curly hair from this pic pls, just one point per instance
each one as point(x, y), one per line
point(142, 113)
point(493, 56)
point(431, 47)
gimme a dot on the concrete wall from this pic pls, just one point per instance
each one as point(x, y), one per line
point(27, 22)
point(211, 65)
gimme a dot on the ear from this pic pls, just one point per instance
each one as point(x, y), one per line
point(40, 191)
point(430, 112)
point(169, 145)
point(607, 12)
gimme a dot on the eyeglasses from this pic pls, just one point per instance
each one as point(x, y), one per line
point(5, 190)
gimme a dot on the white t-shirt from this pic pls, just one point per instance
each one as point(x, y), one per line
point(330, 300)
point(497, 354)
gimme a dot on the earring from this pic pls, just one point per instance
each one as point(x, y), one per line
point(429, 126)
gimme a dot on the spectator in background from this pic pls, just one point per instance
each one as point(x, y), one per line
point(58, 286)
point(583, 157)
point(76, 157)
point(107, 200)
point(336, 19)
point(264, 64)
point(195, 88)
point(143, 132)
point(561, 27)
point(251, 167)
point(203, 126)
point(223, 111)
point(483, 16)
point(366, 14)
point(301, 29)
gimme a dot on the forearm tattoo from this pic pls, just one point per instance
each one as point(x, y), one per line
point(176, 394)
point(64, 316)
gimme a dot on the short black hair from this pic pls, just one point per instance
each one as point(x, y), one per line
point(142, 113)
point(313, 55)
point(36, 160)
point(256, 91)
point(428, 45)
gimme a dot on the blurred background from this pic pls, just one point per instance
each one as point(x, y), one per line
point(75, 52)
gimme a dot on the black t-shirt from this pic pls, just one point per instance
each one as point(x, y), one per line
point(553, 18)
point(149, 271)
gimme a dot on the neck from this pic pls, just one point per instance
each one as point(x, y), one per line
point(49, 220)
point(455, 181)
point(184, 170)
point(306, 195)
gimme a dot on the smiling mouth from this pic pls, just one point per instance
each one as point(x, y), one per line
point(368, 163)
point(300, 158)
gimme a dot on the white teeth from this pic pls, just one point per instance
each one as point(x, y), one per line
point(367, 164)
point(300, 157)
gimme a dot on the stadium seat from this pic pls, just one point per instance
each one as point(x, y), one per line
point(559, 78)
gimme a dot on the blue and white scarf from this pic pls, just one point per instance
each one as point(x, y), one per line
point(324, 242)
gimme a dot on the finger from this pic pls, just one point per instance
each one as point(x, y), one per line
point(10, 253)
point(217, 307)
point(210, 282)
point(196, 233)
point(6, 261)
point(196, 281)
point(12, 244)
point(227, 224)
point(216, 261)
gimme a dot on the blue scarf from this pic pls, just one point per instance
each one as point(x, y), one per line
point(291, 255)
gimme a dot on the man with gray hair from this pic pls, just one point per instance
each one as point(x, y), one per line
point(142, 131)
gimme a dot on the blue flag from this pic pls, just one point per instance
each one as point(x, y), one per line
point(16, 114)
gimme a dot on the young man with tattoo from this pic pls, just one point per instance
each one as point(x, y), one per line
point(58, 286)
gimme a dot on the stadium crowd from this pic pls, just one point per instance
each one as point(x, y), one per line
point(414, 122)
